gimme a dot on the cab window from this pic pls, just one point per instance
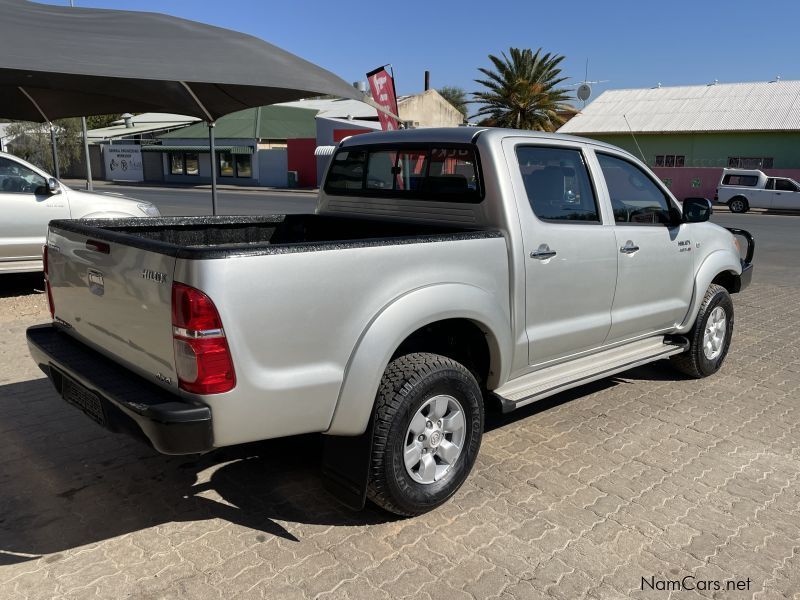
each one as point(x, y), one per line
point(18, 179)
point(635, 197)
point(770, 184)
point(435, 173)
point(557, 184)
point(784, 185)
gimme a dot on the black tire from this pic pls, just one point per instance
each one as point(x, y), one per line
point(694, 361)
point(739, 204)
point(408, 383)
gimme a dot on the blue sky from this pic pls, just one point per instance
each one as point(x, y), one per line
point(632, 44)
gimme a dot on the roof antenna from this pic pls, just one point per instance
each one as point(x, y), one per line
point(624, 116)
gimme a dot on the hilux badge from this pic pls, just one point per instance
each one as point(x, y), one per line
point(96, 285)
point(156, 276)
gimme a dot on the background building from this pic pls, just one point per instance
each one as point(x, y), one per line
point(688, 134)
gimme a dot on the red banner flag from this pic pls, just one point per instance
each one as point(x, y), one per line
point(382, 86)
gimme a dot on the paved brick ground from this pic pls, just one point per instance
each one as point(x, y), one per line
point(639, 476)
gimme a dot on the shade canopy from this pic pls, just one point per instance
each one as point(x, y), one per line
point(80, 61)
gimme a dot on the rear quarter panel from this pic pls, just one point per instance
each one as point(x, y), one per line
point(294, 319)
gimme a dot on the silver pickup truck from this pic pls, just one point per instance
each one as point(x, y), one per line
point(445, 271)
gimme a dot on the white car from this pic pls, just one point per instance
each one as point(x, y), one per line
point(743, 189)
point(30, 199)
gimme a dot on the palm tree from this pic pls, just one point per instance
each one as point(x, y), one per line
point(455, 96)
point(522, 91)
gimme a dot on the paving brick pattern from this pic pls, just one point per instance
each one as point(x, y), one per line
point(645, 475)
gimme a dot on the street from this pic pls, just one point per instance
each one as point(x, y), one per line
point(177, 201)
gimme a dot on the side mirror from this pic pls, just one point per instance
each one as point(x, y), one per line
point(697, 210)
point(52, 186)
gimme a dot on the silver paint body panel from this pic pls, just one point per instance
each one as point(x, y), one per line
point(312, 332)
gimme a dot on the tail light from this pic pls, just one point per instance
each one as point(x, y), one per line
point(202, 357)
point(50, 304)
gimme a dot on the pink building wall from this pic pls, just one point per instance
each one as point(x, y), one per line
point(682, 178)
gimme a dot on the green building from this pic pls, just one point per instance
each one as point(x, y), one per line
point(688, 134)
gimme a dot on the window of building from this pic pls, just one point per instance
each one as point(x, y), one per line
point(670, 160)
point(740, 180)
point(226, 168)
point(558, 185)
point(176, 163)
point(750, 162)
point(184, 163)
point(191, 162)
point(680, 160)
point(660, 160)
point(446, 174)
point(244, 165)
point(635, 198)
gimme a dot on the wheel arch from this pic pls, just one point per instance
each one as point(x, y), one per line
point(448, 307)
point(722, 267)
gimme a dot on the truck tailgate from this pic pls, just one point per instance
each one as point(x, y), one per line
point(115, 298)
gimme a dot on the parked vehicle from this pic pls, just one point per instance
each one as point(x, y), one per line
point(444, 269)
point(743, 189)
point(30, 198)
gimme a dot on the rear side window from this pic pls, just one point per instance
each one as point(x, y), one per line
point(742, 180)
point(438, 173)
point(557, 183)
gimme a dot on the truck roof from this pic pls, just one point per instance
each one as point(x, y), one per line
point(457, 135)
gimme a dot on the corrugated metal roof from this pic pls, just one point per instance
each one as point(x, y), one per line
point(757, 106)
point(264, 122)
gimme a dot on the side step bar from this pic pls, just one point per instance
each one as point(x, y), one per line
point(558, 378)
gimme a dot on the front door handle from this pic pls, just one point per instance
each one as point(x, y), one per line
point(543, 252)
point(629, 248)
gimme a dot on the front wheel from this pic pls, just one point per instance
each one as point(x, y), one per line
point(428, 427)
point(710, 337)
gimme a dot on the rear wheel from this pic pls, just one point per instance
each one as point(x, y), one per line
point(428, 427)
point(739, 204)
point(710, 336)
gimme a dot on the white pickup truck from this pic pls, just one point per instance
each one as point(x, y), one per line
point(743, 189)
point(445, 270)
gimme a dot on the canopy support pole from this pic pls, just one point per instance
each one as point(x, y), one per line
point(89, 182)
point(211, 147)
point(52, 131)
point(213, 157)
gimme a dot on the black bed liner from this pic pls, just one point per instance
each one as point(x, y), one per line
point(221, 237)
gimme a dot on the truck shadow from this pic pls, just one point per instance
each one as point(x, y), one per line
point(21, 284)
point(66, 482)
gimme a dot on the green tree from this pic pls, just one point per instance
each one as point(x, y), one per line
point(523, 91)
point(455, 96)
point(99, 121)
point(31, 142)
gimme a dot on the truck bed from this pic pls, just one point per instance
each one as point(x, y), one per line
point(220, 237)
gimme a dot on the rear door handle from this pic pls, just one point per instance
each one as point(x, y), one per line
point(543, 252)
point(629, 248)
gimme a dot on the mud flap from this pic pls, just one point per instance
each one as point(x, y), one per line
point(345, 467)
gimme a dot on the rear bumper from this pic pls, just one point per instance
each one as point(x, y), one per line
point(117, 398)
